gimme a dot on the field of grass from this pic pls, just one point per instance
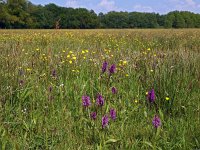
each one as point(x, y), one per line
point(45, 75)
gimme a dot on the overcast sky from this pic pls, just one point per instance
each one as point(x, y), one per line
point(158, 6)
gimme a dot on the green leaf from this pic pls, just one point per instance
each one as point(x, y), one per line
point(158, 132)
point(145, 114)
point(112, 141)
point(161, 115)
point(149, 144)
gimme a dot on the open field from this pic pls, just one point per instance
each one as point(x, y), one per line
point(46, 75)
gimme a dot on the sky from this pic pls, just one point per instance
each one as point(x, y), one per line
point(157, 6)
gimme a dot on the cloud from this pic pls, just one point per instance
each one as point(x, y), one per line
point(107, 5)
point(184, 4)
point(72, 3)
point(141, 8)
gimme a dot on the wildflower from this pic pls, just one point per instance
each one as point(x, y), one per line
point(74, 58)
point(149, 49)
point(136, 101)
point(68, 56)
point(112, 69)
point(151, 70)
point(50, 89)
point(100, 100)
point(83, 52)
point(156, 121)
point(124, 62)
point(70, 62)
point(151, 96)
point(112, 114)
point(93, 115)
point(54, 73)
point(28, 69)
point(104, 66)
point(21, 82)
point(127, 75)
point(114, 90)
point(105, 121)
point(86, 101)
point(167, 98)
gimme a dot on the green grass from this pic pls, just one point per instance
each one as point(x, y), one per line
point(32, 117)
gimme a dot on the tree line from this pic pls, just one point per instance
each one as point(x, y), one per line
point(15, 14)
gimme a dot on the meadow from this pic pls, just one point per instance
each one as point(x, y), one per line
point(100, 89)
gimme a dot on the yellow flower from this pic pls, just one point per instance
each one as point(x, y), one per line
point(127, 75)
point(86, 51)
point(74, 58)
point(73, 70)
point(136, 101)
point(68, 56)
point(37, 49)
point(28, 69)
point(146, 93)
point(148, 49)
point(70, 62)
point(144, 53)
point(63, 51)
point(70, 52)
point(83, 52)
point(151, 70)
point(167, 98)
point(124, 62)
point(84, 57)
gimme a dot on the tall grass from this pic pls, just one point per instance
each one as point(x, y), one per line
point(45, 73)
